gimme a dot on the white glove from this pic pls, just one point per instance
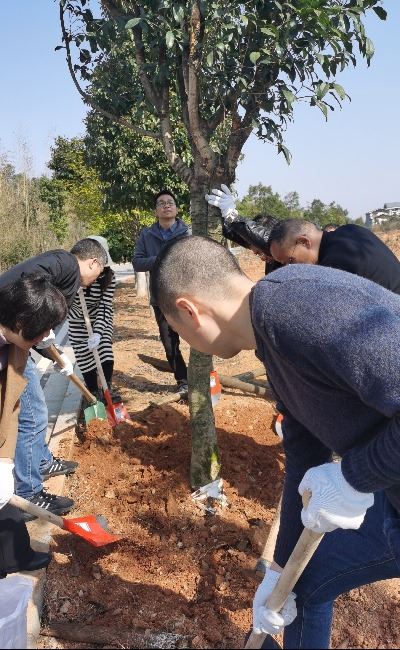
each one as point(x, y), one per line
point(47, 341)
point(265, 620)
point(223, 199)
point(333, 503)
point(93, 341)
point(68, 367)
point(6, 482)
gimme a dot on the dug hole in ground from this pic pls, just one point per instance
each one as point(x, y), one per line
point(177, 570)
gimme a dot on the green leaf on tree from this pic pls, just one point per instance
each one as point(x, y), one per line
point(381, 12)
point(254, 56)
point(339, 90)
point(289, 96)
point(132, 23)
point(169, 39)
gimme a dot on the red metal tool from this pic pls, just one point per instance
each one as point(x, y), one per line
point(88, 527)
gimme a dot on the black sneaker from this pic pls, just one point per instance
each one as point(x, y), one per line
point(58, 467)
point(38, 560)
point(50, 502)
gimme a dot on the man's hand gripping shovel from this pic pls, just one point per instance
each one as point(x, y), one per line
point(297, 562)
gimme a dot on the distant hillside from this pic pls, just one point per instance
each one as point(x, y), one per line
point(391, 239)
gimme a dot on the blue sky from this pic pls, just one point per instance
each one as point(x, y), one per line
point(352, 159)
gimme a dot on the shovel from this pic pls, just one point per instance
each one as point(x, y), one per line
point(89, 527)
point(301, 555)
point(96, 410)
point(116, 413)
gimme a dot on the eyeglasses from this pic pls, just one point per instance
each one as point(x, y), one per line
point(164, 204)
point(100, 265)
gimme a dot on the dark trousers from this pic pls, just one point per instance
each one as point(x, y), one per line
point(15, 546)
point(344, 560)
point(90, 377)
point(170, 341)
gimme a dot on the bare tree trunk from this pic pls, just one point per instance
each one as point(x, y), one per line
point(205, 462)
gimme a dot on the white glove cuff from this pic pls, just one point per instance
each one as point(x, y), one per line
point(231, 215)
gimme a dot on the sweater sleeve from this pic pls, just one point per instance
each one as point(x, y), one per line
point(141, 260)
point(302, 451)
point(105, 311)
point(374, 374)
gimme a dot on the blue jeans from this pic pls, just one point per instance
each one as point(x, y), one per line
point(32, 455)
point(345, 559)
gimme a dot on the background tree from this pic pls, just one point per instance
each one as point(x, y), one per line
point(132, 168)
point(234, 66)
point(263, 200)
point(78, 200)
point(322, 214)
point(24, 218)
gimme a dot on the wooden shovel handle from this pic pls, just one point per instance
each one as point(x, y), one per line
point(301, 555)
point(36, 511)
point(56, 356)
point(89, 328)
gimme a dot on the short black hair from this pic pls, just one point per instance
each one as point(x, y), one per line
point(157, 196)
point(287, 227)
point(87, 248)
point(33, 305)
point(192, 265)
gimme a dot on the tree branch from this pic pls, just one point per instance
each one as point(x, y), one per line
point(226, 106)
point(174, 159)
point(242, 127)
point(197, 127)
point(88, 99)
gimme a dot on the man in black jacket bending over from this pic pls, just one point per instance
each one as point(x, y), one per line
point(350, 248)
point(34, 463)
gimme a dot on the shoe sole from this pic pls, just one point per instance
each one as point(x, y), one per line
point(67, 472)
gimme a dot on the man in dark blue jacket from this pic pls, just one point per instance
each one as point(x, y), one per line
point(151, 241)
point(330, 344)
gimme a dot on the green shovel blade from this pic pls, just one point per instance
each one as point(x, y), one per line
point(95, 412)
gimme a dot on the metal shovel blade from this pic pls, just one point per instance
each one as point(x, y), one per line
point(89, 528)
point(95, 411)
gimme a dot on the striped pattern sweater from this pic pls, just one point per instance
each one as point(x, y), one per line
point(100, 308)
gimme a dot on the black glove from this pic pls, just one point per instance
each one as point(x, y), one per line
point(246, 233)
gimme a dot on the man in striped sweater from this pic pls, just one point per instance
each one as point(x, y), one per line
point(329, 341)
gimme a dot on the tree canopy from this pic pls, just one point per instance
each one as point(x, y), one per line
point(204, 76)
point(245, 62)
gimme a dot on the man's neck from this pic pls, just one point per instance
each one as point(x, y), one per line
point(238, 320)
point(166, 223)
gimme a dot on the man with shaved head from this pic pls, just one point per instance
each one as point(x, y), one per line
point(329, 341)
point(351, 248)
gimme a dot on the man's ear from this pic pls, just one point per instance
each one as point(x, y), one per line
point(303, 240)
point(188, 309)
